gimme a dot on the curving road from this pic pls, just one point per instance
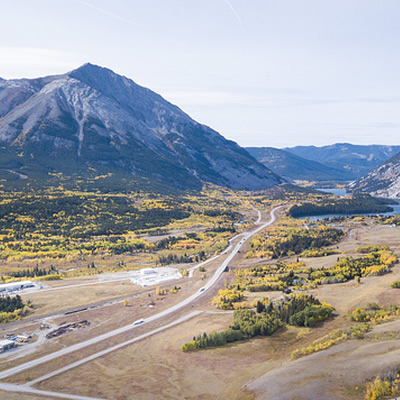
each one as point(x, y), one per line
point(162, 314)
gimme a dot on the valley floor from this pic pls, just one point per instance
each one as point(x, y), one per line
point(156, 368)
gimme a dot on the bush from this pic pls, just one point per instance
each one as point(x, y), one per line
point(335, 337)
point(246, 324)
point(371, 249)
point(226, 297)
point(318, 252)
point(9, 304)
point(292, 305)
point(383, 387)
point(396, 284)
point(375, 313)
point(311, 315)
point(52, 277)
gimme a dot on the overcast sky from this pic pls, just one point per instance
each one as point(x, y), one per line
point(261, 72)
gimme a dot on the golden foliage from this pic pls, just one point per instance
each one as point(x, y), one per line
point(383, 387)
point(335, 337)
point(226, 298)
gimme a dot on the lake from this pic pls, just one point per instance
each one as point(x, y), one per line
point(342, 192)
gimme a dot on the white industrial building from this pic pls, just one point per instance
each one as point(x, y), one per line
point(155, 276)
point(6, 345)
point(15, 286)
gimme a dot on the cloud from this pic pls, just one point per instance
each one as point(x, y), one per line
point(106, 12)
point(24, 62)
point(204, 98)
point(234, 12)
point(382, 99)
point(246, 98)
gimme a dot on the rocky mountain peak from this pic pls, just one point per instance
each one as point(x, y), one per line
point(99, 120)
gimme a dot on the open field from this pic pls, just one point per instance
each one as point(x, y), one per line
point(349, 295)
point(19, 396)
point(47, 302)
point(208, 374)
point(80, 292)
point(339, 373)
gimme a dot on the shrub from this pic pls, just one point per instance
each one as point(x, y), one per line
point(311, 315)
point(396, 284)
point(382, 387)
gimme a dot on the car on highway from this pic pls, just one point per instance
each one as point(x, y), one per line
point(138, 322)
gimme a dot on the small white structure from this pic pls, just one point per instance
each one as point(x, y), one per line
point(15, 286)
point(23, 338)
point(148, 271)
point(155, 276)
point(6, 345)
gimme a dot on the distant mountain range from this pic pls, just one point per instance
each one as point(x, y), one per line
point(382, 181)
point(355, 160)
point(337, 162)
point(96, 126)
point(292, 167)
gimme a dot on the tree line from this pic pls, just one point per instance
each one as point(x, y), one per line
point(9, 304)
point(357, 204)
point(296, 240)
point(31, 273)
point(297, 309)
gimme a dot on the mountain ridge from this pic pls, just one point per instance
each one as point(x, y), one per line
point(382, 181)
point(94, 118)
point(354, 161)
point(293, 167)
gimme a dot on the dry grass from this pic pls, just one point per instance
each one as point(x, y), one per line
point(157, 369)
point(337, 373)
point(46, 302)
point(20, 396)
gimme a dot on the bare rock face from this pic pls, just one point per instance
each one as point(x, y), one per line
point(93, 118)
point(382, 181)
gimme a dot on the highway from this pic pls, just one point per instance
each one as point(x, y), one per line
point(155, 317)
point(192, 269)
point(116, 347)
